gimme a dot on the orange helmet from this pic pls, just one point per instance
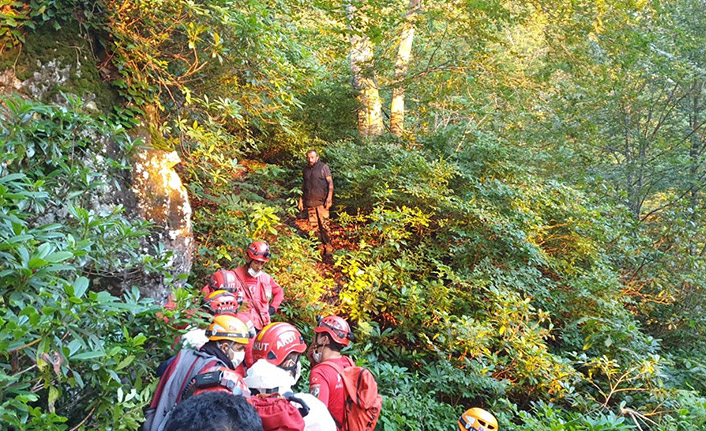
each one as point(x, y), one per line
point(259, 250)
point(277, 340)
point(227, 327)
point(336, 327)
point(477, 419)
point(221, 302)
point(224, 279)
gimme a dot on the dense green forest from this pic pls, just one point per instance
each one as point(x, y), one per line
point(518, 213)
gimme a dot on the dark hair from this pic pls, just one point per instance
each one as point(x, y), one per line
point(214, 411)
point(312, 151)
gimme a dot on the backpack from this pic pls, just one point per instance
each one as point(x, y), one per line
point(185, 366)
point(277, 413)
point(362, 403)
point(221, 379)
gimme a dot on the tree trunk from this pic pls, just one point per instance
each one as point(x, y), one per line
point(696, 145)
point(631, 187)
point(364, 79)
point(401, 66)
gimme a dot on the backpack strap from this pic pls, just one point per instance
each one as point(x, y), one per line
point(163, 380)
point(336, 367)
point(184, 388)
point(339, 371)
point(249, 294)
point(304, 409)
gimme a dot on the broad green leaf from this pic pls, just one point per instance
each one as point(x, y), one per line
point(80, 286)
point(74, 346)
point(125, 362)
point(59, 256)
point(88, 355)
point(36, 262)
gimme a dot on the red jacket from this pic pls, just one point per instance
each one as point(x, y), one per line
point(263, 293)
point(327, 385)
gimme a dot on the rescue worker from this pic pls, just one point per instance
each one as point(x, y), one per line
point(261, 295)
point(223, 279)
point(331, 335)
point(222, 302)
point(277, 352)
point(227, 338)
point(477, 419)
point(215, 303)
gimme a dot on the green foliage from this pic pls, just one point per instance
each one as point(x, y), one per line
point(549, 418)
point(19, 17)
point(534, 244)
point(533, 304)
point(224, 65)
point(15, 16)
point(72, 352)
point(410, 402)
point(689, 412)
point(480, 310)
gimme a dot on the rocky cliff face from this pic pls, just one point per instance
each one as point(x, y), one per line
point(56, 68)
point(162, 199)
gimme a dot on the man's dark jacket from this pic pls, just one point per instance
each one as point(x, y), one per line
point(315, 185)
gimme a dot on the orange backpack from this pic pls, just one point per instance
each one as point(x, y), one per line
point(362, 403)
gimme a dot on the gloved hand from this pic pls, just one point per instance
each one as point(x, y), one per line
point(272, 310)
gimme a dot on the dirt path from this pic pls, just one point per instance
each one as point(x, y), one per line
point(342, 240)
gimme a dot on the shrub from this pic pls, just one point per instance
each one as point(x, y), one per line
point(72, 353)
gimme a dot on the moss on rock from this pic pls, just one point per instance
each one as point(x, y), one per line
point(66, 54)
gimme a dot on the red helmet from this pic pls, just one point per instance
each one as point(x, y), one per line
point(259, 250)
point(336, 327)
point(246, 318)
point(276, 341)
point(224, 279)
point(221, 302)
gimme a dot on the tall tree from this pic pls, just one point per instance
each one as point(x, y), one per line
point(364, 77)
point(401, 67)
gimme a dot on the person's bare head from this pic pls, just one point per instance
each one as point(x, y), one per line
point(312, 157)
point(214, 411)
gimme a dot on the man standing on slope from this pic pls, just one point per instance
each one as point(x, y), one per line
point(261, 295)
point(332, 335)
point(317, 197)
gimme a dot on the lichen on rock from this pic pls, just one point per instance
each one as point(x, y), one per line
point(9, 82)
point(51, 66)
point(162, 199)
point(56, 62)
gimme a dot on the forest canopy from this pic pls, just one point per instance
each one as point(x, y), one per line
point(518, 215)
